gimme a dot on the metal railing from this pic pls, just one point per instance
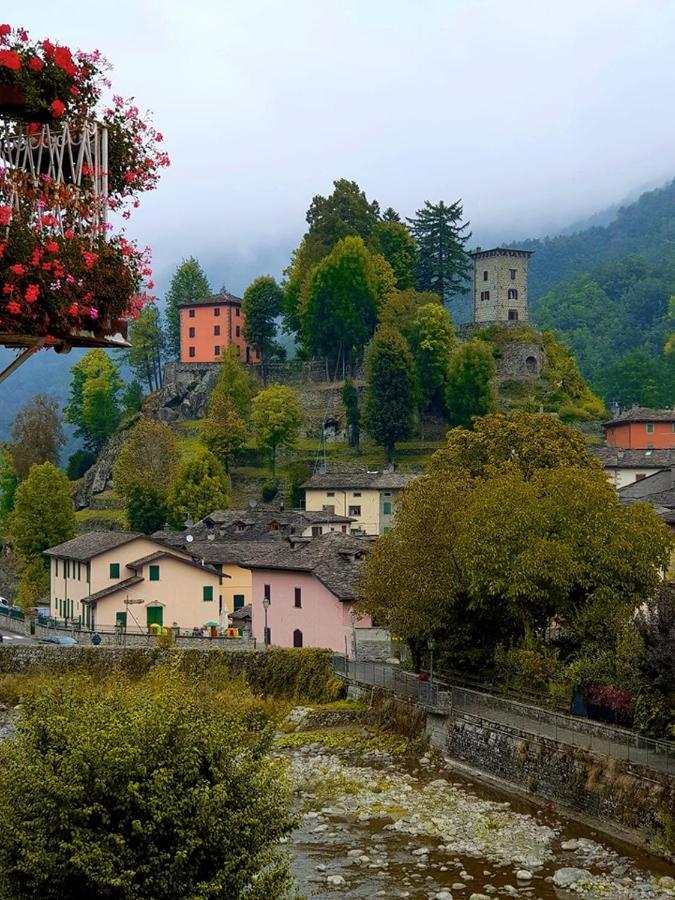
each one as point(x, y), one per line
point(12, 612)
point(533, 720)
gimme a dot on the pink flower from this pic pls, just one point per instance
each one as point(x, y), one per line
point(93, 313)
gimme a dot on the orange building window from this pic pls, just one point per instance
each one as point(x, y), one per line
point(216, 330)
point(191, 351)
point(191, 332)
point(216, 350)
point(191, 313)
point(216, 311)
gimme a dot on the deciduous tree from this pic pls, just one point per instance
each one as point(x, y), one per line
point(470, 391)
point(93, 401)
point(147, 346)
point(390, 392)
point(393, 241)
point(188, 285)
point(401, 308)
point(148, 457)
point(235, 382)
point(276, 417)
point(37, 435)
point(201, 486)
point(9, 481)
point(146, 509)
point(262, 304)
point(224, 432)
point(432, 339)
point(443, 264)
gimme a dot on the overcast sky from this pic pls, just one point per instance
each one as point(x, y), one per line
point(536, 113)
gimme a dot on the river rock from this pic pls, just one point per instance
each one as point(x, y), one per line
point(336, 880)
point(667, 882)
point(570, 845)
point(566, 877)
point(523, 875)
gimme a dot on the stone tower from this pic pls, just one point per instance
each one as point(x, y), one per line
point(500, 285)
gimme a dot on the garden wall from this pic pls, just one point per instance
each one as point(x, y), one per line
point(610, 790)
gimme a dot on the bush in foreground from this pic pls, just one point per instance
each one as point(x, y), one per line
point(147, 790)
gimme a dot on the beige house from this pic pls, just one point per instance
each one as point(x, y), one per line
point(113, 579)
point(368, 498)
point(624, 467)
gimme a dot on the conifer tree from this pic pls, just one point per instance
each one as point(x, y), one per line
point(350, 399)
point(443, 264)
point(390, 395)
point(263, 301)
point(147, 345)
point(188, 285)
point(393, 241)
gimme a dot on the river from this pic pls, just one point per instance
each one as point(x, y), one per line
point(377, 823)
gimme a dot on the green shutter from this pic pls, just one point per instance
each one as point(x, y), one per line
point(121, 620)
point(208, 593)
point(114, 570)
point(387, 508)
point(154, 573)
point(239, 601)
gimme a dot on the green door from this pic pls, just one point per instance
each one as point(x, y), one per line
point(155, 615)
point(121, 621)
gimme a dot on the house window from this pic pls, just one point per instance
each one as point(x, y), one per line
point(673, 427)
point(239, 601)
point(386, 507)
point(344, 529)
point(216, 311)
point(298, 598)
point(216, 330)
point(512, 294)
point(56, 568)
point(191, 313)
point(191, 332)
point(317, 531)
point(650, 428)
point(485, 295)
point(330, 493)
point(513, 315)
point(216, 350)
point(327, 508)
point(640, 476)
point(485, 275)
point(191, 351)
point(207, 593)
point(297, 638)
point(513, 274)
point(356, 494)
point(267, 636)
point(79, 571)
point(114, 570)
point(154, 573)
point(237, 312)
point(354, 510)
point(267, 592)
point(238, 331)
point(386, 529)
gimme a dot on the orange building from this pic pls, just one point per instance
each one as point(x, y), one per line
point(209, 326)
point(642, 429)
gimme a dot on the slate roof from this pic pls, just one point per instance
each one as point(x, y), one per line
point(242, 614)
point(643, 414)
point(499, 251)
point(222, 297)
point(614, 457)
point(348, 481)
point(335, 559)
point(86, 546)
point(162, 554)
point(113, 588)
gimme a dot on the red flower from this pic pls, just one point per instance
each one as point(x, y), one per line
point(52, 247)
point(32, 293)
point(18, 269)
point(64, 60)
point(5, 29)
point(10, 59)
point(35, 63)
point(13, 307)
point(74, 91)
point(57, 108)
point(73, 310)
point(5, 215)
point(48, 49)
point(69, 233)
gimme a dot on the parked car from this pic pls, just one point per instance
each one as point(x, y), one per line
point(63, 640)
point(4, 602)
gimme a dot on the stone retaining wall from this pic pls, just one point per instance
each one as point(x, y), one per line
point(608, 789)
point(129, 639)
point(17, 626)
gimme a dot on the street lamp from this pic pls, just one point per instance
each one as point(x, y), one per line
point(432, 644)
point(266, 606)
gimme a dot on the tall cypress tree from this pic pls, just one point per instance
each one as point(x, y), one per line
point(442, 263)
point(390, 395)
point(189, 284)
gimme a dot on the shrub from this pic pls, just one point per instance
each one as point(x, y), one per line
point(78, 463)
point(269, 490)
point(151, 789)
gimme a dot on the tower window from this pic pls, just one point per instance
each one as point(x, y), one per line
point(191, 332)
point(216, 311)
point(485, 275)
point(191, 313)
point(513, 315)
point(485, 295)
point(216, 330)
point(513, 274)
point(512, 294)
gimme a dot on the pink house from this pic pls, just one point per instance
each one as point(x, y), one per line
point(311, 587)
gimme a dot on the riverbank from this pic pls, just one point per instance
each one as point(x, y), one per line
point(382, 817)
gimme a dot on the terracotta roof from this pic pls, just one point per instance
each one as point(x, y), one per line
point(614, 457)
point(222, 297)
point(86, 546)
point(643, 414)
point(335, 559)
point(348, 481)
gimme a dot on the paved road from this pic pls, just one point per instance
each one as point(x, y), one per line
point(10, 637)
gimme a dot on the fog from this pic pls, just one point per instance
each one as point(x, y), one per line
point(537, 114)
